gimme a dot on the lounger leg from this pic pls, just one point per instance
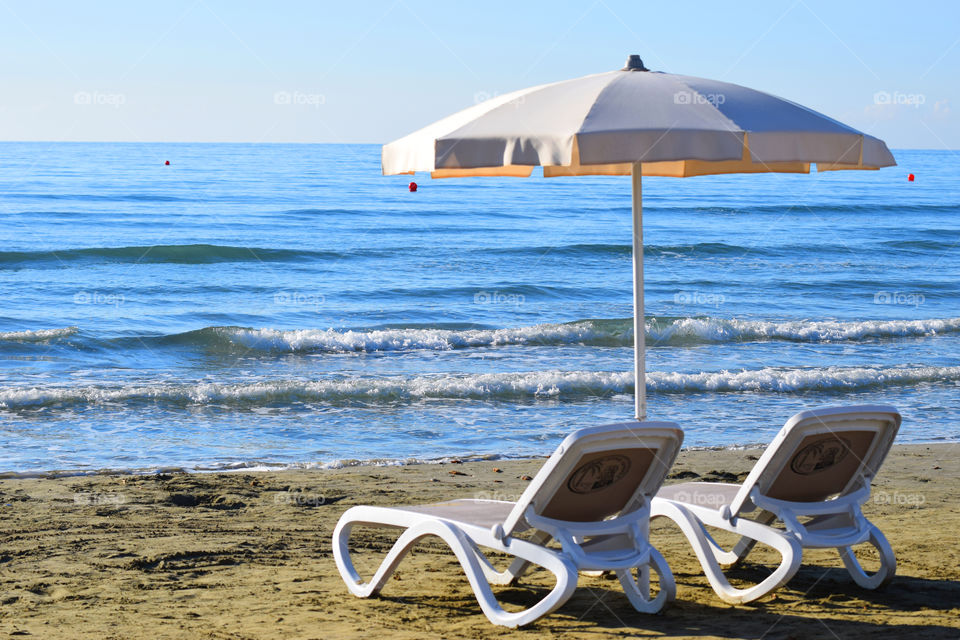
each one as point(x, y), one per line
point(563, 570)
point(355, 583)
point(593, 573)
point(467, 554)
point(888, 562)
point(744, 546)
point(789, 548)
point(519, 566)
point(637, 589)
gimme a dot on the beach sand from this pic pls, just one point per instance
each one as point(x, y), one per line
point(248, 555)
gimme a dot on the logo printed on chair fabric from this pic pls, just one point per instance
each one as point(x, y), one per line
point(820, 455)
point(599, 474)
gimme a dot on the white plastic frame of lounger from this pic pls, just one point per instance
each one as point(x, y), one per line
point(837, 520)
point(618, 543)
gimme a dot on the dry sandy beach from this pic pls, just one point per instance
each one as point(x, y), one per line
point(247, 555)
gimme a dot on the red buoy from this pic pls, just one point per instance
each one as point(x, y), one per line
point(167, 163)
point(413, 185)
point(910, 178)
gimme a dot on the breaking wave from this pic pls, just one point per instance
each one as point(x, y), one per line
point(591, 332)
point(537, 385)
point(40, 335)
point(613, 333)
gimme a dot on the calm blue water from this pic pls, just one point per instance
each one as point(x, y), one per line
point(287, 304)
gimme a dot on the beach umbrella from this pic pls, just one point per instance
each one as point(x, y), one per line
point(635, 122)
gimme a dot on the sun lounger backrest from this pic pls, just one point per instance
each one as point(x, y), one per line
point(823, 453)
point(599, 472)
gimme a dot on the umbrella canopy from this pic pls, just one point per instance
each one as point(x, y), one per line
point(634, 122)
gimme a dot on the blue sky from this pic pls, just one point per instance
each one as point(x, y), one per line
point(201, 70)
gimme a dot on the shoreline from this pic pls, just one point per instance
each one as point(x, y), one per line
point(248, 555)
point(337, 465)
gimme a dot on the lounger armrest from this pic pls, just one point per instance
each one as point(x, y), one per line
point(848, 505)
point(631, 528)
point(837, 505)
point(620, 524)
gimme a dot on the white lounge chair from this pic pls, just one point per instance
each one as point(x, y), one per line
point(820, 466)
point(592, 495)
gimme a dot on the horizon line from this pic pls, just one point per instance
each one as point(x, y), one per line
point(280, 143)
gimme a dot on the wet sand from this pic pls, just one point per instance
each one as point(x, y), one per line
point(248, 555)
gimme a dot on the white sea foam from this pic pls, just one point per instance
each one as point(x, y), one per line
point(39, 335)
point(778, 379)
point(615, 332)
point(505, 386)
point(534, 384)
point(589, 332)
point(411, 339)
point(720, 330)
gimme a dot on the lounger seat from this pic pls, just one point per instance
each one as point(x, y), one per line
point(715, 494)
point(819, 466)
point(592, 495)
point(483, 513)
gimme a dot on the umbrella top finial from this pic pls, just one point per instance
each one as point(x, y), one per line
point(634, 63)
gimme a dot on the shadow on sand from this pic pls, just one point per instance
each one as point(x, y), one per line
point(819, 602)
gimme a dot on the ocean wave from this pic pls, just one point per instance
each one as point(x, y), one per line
point(96, 197)
point(617, 332)
point(921, 246)
point(722, 330)
point(696, 249)
point(595, 332)
point(779, 379)
point(40, 335)
point(211, 253)
point(837, 208)
point(377, 390)
point(174, 253)
point(524, 386)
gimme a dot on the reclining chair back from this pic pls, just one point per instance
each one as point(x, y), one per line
point(822, 454)
point(600, 472)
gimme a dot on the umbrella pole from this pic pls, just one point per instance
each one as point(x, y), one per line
point(639, 325)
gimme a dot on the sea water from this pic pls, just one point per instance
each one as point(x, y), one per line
point(286, 305)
